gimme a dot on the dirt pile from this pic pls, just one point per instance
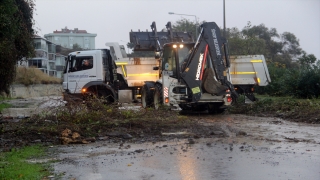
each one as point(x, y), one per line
point(69, 137)
point(83, 123)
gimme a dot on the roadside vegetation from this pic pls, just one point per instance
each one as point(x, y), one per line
point(15, 165)
point(4, 105)
point(32, 75)
point(302, 82)
point(292, 109)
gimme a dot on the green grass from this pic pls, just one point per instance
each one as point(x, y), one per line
point(4, 105)
point(13, 165)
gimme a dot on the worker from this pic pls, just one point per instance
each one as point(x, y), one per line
point(86, 65)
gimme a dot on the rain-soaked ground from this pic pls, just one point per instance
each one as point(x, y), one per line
point(253, 148)
point(241, 147)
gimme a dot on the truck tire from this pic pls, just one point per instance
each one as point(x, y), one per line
point(100, 93)
point(106, 97)
point(146, 97)
point(158, 97)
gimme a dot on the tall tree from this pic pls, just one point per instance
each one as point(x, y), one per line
point(185, 25)
point(76, 47)
point(16, 32)
point(265, 34)
point(291, 45)
point(307, 59)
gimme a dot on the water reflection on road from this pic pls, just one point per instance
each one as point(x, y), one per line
point(271, 150)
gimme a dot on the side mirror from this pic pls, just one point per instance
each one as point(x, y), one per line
point(156, 68)
point(157, 54)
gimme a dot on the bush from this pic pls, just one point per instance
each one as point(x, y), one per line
point(31, 75)
point(302, 82)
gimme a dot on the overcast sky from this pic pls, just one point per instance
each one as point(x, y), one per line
point(112, 20)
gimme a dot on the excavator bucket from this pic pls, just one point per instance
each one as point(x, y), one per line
point(152, 41)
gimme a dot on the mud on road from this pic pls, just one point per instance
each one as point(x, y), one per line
point(239, 147)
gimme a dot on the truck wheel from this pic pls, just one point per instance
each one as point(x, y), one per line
point(157, 98)
point(106, 97)
point(146, 97)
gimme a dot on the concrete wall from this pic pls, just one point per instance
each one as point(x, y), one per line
point(36, 90)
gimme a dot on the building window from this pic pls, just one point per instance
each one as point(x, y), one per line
point(52, 56)
point(35, 63)
point(52, 66)
point(37, 45)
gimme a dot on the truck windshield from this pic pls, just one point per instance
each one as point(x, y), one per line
point(66, 66)
point(82, 63)
point(173, 54)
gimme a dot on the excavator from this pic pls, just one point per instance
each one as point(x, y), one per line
point(193, 75)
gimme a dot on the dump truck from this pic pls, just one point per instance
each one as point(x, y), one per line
point(111, 75)
point(247, 72)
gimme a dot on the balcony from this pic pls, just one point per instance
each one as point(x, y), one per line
point(41, 54)
point(52, 57)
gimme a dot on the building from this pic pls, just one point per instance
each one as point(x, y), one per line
point(46, 59)
point(45, 56)
point(60, 65)
point(68, 38)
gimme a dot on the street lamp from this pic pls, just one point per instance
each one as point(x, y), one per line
point(172, 13)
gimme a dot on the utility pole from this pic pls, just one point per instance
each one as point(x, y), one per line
point(224, 19)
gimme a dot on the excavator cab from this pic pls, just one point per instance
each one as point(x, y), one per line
point(174, 56)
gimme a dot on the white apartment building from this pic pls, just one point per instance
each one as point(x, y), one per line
point(46, 59)
point(67, 38)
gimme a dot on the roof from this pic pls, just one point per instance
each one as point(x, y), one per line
point(75, 30)
point(39, 37)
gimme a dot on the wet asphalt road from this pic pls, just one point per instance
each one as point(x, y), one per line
point(270, 149)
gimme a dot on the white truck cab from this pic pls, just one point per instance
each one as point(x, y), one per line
point(80, 74)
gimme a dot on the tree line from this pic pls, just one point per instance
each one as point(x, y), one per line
point(16, 33)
